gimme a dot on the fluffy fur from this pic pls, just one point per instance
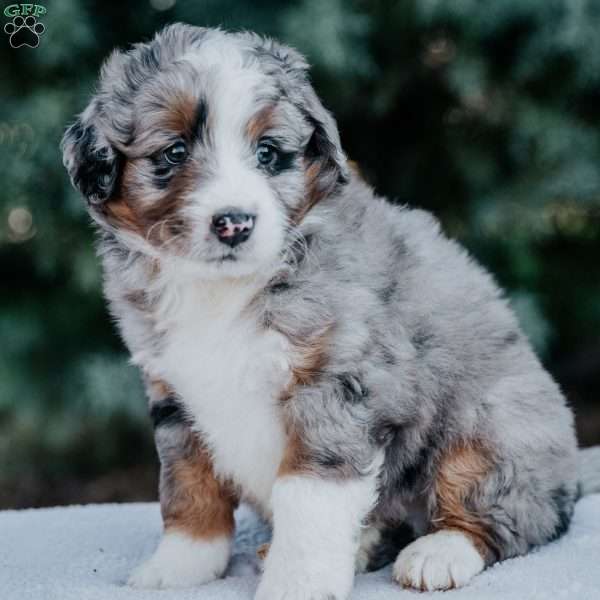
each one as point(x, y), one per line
point(347, 366)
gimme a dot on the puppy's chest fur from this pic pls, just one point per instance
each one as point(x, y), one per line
point(230, 372)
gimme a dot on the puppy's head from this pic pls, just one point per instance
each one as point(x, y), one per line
point(205, 146)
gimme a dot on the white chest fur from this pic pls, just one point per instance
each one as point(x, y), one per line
point(229, 372)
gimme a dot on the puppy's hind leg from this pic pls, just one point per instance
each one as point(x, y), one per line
point(196, 507)
point(456, 549)
point(483, 511)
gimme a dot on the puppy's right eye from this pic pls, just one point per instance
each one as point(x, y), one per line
point(266, 154)
point(176, 153)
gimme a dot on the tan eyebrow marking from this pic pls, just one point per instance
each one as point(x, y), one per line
point(260, 122)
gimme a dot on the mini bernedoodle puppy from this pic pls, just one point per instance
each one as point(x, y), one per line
point(307, 347)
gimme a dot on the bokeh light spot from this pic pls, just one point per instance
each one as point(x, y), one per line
point(20, 224)
point(162, 4)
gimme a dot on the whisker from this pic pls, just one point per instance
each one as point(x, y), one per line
point(298, 247)
point(157, 224)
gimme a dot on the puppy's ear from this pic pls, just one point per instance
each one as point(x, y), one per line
point(326, 161)
point(91, 161)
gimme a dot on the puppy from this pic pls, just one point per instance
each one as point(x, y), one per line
point(307, 347)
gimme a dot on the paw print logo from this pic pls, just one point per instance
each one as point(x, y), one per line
point(24, 31)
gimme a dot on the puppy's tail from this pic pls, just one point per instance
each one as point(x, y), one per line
point(589, 470)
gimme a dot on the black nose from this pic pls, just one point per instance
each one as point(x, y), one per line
point(233, 228)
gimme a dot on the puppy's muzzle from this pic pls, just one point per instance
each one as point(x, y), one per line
point(233, 228)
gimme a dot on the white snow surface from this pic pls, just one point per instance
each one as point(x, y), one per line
point(87, 552)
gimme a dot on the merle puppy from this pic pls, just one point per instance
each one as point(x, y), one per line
point(307, 347)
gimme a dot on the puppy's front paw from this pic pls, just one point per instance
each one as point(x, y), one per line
point(181, 561)
point(438, 561)
point(297, 590)
point(302, 581)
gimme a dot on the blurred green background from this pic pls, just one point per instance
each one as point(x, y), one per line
point(485, 112)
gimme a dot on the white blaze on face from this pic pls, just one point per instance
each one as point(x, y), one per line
point(234, 182)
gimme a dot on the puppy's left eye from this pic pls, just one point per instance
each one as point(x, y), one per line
point(266, 154)
point(176, 153)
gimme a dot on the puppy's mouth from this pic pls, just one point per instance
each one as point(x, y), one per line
point(227, 257)
point(216, 253)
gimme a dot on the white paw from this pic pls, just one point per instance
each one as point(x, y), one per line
point(305, 579)
point(181, 561)
point(438, 561)
point(298, 590)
